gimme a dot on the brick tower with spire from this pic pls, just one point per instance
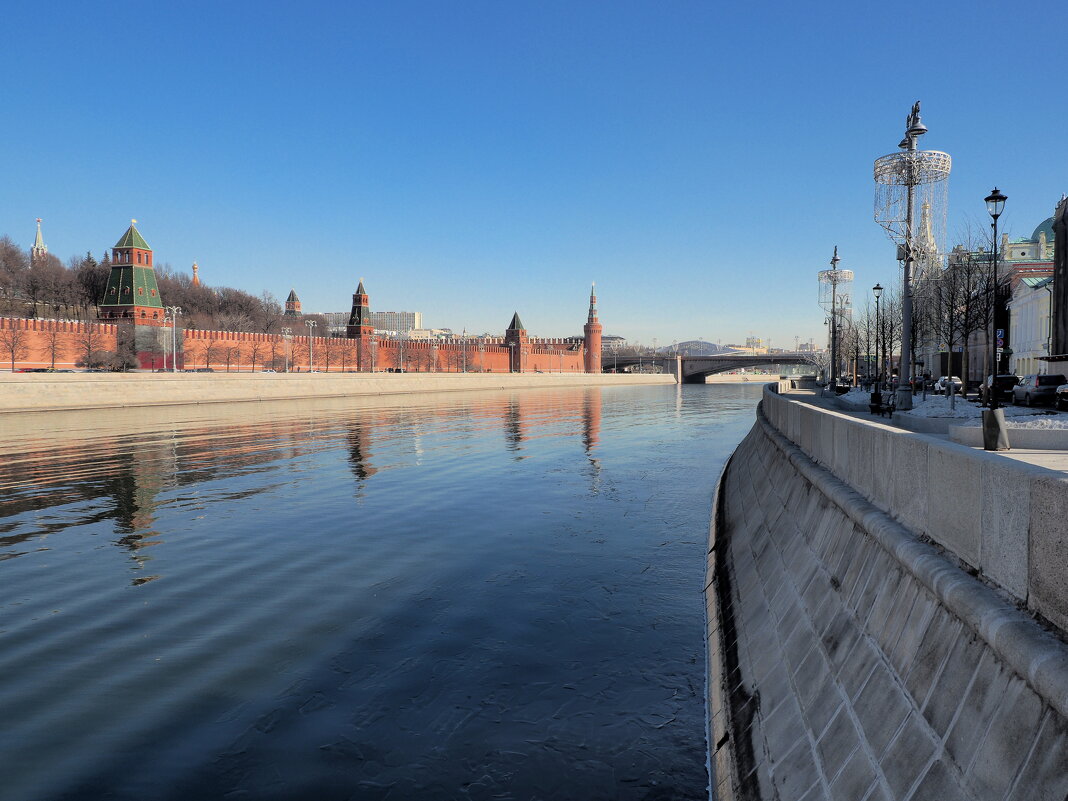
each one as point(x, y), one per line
point(39, 249)
point(132, 293)
point(292, 305)
point(360, 328)
point(518, 343)
point(132, 301)
point(592, 331)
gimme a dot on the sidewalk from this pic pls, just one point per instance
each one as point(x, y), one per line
point(1049, 459)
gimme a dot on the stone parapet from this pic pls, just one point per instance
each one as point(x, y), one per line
point(849, 658)
point(1004, 519)
point(28, 392)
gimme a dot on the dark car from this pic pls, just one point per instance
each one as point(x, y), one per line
point(1062, 397)
point(1034, 389)
point(1003, 387)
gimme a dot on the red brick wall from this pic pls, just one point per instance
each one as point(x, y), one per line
point(215, 349)
point(37, 339)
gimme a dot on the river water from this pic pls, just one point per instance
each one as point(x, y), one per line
point(451, 596)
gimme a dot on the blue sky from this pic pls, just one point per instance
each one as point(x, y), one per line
point(699, 161)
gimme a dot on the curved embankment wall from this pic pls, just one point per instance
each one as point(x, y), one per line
point(871, 598)
point(28, 392)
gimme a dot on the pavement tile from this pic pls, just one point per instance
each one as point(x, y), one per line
point(936, 642)
point(1008, 740)
point(952, 683)
point(854, 779)
point(976, 710)
point(881, 707)
point(940, 783)
point(838, 742)
point(907, 756)
point(796, 773)
point(1044, 777)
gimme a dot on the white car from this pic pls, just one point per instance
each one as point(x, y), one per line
point(943, 383)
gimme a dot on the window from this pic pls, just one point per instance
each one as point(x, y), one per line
point(114, 291)
point(138, 257)
point(153, 292)
point(140, 290)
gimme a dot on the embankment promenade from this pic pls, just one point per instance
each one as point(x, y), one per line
point(886, 615)
point(42, 392)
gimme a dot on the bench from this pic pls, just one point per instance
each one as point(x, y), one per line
point(884, 406)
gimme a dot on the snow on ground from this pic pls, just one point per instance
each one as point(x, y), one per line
point(967, 411)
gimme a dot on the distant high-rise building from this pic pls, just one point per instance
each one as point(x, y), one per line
point(396, 321)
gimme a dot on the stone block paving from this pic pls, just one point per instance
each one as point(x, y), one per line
point(838, 675)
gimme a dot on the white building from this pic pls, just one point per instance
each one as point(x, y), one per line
point(1029, 324)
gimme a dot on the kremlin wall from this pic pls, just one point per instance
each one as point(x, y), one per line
point(132, 319)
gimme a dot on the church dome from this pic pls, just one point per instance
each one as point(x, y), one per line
point(1045, 226)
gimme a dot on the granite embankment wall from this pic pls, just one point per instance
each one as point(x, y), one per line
point(878, 617)
point(28, 392)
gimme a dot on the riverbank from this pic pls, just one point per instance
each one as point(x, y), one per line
point(887, 615)
point(43, 392)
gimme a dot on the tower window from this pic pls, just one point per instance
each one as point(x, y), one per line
point(140, 290)
point(153, 292)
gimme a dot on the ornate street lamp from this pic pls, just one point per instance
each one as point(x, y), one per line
point(287, 335)
point(311, 345)
point(995, 436)
point(173, 312)
point(898, 178)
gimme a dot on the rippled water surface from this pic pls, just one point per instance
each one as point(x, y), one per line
point(486, 596)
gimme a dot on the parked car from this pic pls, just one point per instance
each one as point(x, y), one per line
point(1034, 389)
point(1062, 397)
point(268, 371)
point(942, 384)
point(1003, 387)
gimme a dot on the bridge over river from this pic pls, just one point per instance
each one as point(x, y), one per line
point(693, 369)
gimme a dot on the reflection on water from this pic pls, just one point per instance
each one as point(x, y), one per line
point(491, 595)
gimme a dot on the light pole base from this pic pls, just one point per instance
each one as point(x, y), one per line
point(995, 435)
point(903, 398)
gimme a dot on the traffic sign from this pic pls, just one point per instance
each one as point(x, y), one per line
point(1000, 333)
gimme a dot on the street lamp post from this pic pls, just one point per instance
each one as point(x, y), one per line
point(173, 312)
point(311, 345)
point(877, 290)
point(995, 436)
point(287, 335)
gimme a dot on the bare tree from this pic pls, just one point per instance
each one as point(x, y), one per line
point(232, 353)
point(89, 343)
point(53, 344)
point(15, 344)
point(255, 351)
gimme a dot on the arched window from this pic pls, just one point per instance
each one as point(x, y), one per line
point(140, 290)
point(153, 292)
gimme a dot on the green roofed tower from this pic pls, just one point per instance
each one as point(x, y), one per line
point(132, 292)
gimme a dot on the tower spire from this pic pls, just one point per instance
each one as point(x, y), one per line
point(39, 248)
point(591, 356)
